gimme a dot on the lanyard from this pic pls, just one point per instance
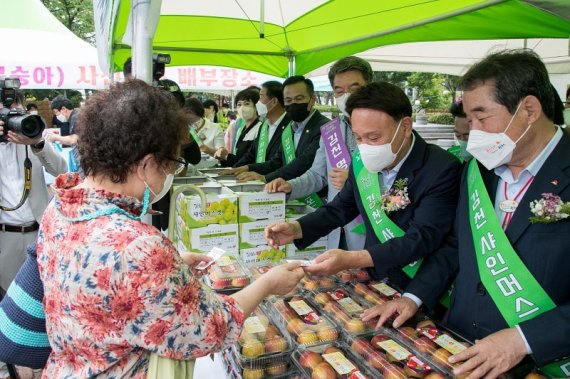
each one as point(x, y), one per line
point(509, 206)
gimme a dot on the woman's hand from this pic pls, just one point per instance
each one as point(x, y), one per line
point(193, 259)
point(282, 279)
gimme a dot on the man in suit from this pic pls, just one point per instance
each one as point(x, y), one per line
point(299, 99)
point(19, 227)
point(391, 156)
point(271, 107)
point(497, 256)
point(346, 76)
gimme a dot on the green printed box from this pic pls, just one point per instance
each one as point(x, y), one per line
point(202, 240)
point(255, 206)
point(316, 248)
point(220, 209)
point(262, 253)
point(251, 234)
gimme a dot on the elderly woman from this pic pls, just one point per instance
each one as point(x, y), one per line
point(115, 288)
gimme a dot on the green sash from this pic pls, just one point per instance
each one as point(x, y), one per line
point(195, 136)
point(456, 150)
point(370, 194)
point(240, 123)
point(515, 292)
point(312, 200)
point(262, 142)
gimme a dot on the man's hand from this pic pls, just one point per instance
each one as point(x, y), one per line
point(207, 149)
point(491, 356)
point(282, 233)
point(250, 175)
point(338, 177)
point(403, 307)
point(234, 171)
point(330, 262)
point(221, 154)
point(278, 185)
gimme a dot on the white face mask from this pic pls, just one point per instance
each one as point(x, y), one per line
point(463, 149)
point(247, 112)
point(377, 157)
point(341, 103)
point(61, 117)
point(34, 112)
point(493, 149)
point(261, 109)
point(165, 188)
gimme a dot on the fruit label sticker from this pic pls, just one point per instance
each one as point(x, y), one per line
point(450, 344)
point(396, 350)
point(300, 307)
point(350, 306)
point(339, 362)
point(337, 295)
point(253, 325)
point(384, 289)
point(417, 366)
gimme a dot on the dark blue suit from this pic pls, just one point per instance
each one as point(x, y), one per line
point(433, 184)
point(544, 249)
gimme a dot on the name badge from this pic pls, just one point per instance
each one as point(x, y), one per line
point(508, 206)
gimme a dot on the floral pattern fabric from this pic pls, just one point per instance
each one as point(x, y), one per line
point(116, 289)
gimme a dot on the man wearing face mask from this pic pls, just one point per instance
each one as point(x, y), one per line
point(245, 128)
point(508, 257)
point(460, 131)
point(300, 139)
point(336, 147)
point(392, 162)
point(266, 145)
point(66, 112)
point(19, 227)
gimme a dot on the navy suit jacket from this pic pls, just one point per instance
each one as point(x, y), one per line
point(544, 249)
point(304, 153)
point(433, 184)
point(272, 146)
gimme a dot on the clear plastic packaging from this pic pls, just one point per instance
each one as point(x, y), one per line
point(350, 275)
point(374, 292)
point(318, 283)
point(302, 319)
point(269, 368)
point(227, 275)
point(333, 360)
point(258, 269)
point(391, 357)
point(345, 308)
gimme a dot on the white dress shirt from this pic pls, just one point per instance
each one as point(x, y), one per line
point(12, 187)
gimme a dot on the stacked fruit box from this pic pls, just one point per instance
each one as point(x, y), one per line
point(295, 209)
point(199, 231)
point(227, 275)
point(253, 247)
point(263, 349)
point(344, 308)
point(304, 321)
point(331, 361)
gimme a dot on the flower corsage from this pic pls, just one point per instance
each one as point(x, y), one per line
point(549, 209)
point(396, 198)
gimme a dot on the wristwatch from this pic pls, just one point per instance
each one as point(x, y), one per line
point(40, 145)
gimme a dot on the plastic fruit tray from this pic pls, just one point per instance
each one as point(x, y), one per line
point(227, 275)
point(374, 292)
point(316, 283)
point(350, 275)
point(270, 368)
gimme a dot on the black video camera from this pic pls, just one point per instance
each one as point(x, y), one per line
point(17, 120)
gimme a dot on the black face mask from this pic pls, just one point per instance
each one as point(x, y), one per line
point(297, 111)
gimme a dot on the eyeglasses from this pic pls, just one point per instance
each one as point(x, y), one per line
point(181, 164)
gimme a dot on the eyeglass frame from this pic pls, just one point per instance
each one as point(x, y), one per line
point(181, 164)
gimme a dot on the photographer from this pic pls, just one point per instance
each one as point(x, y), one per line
point(18, 227)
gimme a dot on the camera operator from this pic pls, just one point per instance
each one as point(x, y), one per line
point(18, 227)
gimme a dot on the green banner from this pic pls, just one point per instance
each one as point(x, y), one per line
point(456, 151)
point(262, 142)
point(515, 292)
point(194, 135)
point(312, 200)
point(371, 196)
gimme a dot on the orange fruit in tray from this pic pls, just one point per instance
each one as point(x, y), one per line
point(355, 325)
point(296, 326)
point(323, 371)
point(255, 373)
point(252, 348)
point(307, 337)
point(276, 368)
point(322, 298)
point(327, 334)
point(275, 344)
point(310, 359)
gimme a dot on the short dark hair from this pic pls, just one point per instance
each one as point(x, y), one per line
point(31, 106)
point(120, 126)
point(194, 106)
point(61, 101)
point(381, 96)
point(567, 92)
point(558, 115)
point(128, 67)
point(456, 109)
point(514, 74)
point(351, 63)
point(300, 79)
point(274, 90)
point(173, 88)
point(208, 103)
point(247, 94)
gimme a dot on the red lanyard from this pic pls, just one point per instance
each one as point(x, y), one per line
point(509, 215)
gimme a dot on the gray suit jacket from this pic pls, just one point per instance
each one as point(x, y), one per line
point(54, 164)
point(315, 179)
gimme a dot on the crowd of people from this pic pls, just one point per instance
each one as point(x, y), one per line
point(488, 219)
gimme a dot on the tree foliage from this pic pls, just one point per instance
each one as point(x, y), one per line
point(76, 15)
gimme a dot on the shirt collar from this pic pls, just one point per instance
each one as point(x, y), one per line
point(505, 173)
point(397, 168)
point(278, 121)
point(300, 125)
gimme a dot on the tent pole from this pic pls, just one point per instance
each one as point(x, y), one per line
point(291, 65)
point(262, 19)
point(142, 41)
